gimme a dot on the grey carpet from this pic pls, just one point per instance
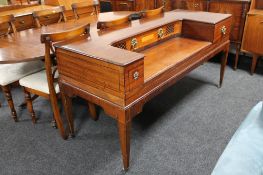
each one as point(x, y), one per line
point(182, 131)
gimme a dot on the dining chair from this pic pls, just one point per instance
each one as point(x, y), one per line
point(154, 12)
point(114, 23)
point(9, 22)
point(44, 83)
point(11, 73)
point(49, 16)
point(88, 8)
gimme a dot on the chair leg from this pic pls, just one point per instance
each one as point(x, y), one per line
point(8, 96)
point(92, 110)
point(254, 63)
point(30, 105)
point(54, 123)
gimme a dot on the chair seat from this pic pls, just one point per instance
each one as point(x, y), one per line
point(10, 73)
point(38, 81)
point(244, 153)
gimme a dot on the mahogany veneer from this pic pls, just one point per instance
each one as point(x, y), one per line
point(253, 34)
point(122, 69)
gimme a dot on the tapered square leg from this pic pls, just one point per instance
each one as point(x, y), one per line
point(124, 134)
point(254, 64)
point(223, 66)
point(237, 55)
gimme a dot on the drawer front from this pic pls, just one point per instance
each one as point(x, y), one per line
point(123, 6)
point(140, 41)
point(238, 11)
point(259, 4)
point(196, 5)
point(223, 30)
point(3, 29)
point(253, 35)
point(134, 76)
point(24, 22)
point(49, 19)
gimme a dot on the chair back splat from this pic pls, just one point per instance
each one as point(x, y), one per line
point(114, 23)
point(151, 13)
point(9, 20)
point(85, 6)
point(49, 16)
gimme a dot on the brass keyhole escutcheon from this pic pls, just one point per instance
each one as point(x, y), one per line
point(134, 43)
point(160, 33)
point(223, 30)
point(136, 75)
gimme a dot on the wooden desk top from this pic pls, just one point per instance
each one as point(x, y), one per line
point(25, 11)
point(102, 40)
point(26, 46)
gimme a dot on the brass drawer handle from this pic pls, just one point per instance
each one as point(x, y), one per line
point(160, 33)
point(223, 30)
point(22, 22)
point(47, 17)
point(196, 5)
point(124, 3)
point(136, 75)
point(134, 43)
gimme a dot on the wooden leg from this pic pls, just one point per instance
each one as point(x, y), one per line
point(223, 66)
point(8, 96)
point(30, 105)
point(57, 116)
point(54, 123)
point(254, 63)
point(67, 103)
point(237, 55)
point(92, 110)
point(124, 134)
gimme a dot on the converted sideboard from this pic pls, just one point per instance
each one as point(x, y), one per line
point(121, 69)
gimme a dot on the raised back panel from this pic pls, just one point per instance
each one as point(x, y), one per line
point(148, 38)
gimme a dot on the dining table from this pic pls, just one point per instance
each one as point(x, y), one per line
point(25, 46)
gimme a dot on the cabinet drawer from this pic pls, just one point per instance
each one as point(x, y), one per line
point(124, 5)
point(49, 19)
point(236, 9)
point(196, 5)
point(3, 29)
point(207, 32)
point(24, 22)
point(253, 35)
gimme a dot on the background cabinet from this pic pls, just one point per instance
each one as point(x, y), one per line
point(238, 9)
point(195, 5)
point(253, 34)
point(139, 5)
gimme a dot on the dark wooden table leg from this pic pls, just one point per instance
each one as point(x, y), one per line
point(8, 96)
point(92, 110)
point(237, 55)
point(124, 134)
point(254, 64)
point(67, 104)
point(223, 66)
